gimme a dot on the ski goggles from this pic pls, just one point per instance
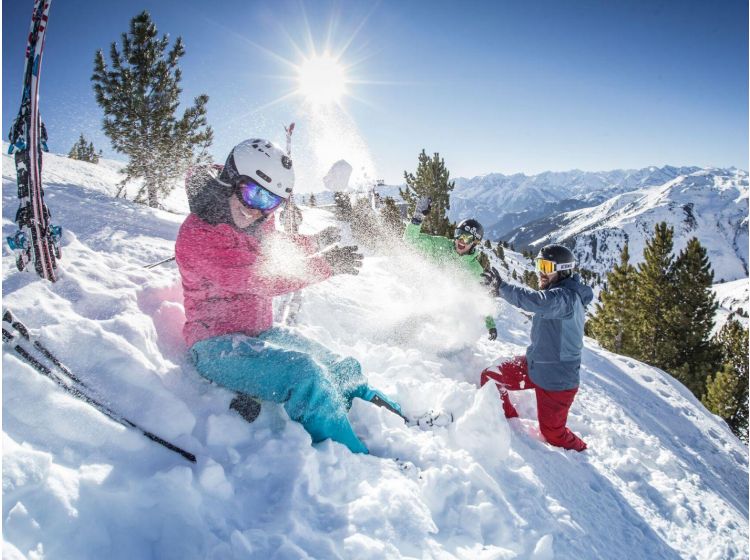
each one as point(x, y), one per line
point(548, 267)
point(465, 237)
point(252, 195)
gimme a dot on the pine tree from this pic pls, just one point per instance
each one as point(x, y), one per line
point(500, 252)
point(83, 151)
point(693, 317)
point(614, 323)
point(531, 279)
point(343, 202)
point(312, 201)
point(431, 179)
point(364, 224)
point(391, 216)
point(656, 302)
point(727, 391)
point(139, 94)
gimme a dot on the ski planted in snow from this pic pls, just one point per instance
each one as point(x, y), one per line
point(37, 241)
point(291, 217)
point(68, 381)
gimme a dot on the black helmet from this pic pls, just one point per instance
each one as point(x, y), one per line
point(563, 259)
point(471, 226)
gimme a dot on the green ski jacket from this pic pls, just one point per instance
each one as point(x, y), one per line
point(443, 251)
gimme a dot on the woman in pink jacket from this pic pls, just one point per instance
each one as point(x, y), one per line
point(229, 286)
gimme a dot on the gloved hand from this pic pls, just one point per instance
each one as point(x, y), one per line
point(343, 260)
point(423, 207)
point(491, 279)
point(327, 237)
point(493, 334)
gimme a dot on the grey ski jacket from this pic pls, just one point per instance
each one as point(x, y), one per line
point(554, 355)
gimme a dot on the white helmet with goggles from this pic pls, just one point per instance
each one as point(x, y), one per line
point(262, 161)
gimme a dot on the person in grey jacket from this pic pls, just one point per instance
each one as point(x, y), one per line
point(552, 362)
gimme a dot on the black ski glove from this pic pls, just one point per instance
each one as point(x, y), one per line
point(491, 279)
point(493, 334)
point(327, 237)
point(423, 207)
point(343, 260)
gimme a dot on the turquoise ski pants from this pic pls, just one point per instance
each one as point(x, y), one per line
point(315, 385)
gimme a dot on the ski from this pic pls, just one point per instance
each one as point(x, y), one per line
point(161, 262)
point(291, 218)
point(70, 382)
point(36, 240)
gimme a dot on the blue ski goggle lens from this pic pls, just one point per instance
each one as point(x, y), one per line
point(252, 195)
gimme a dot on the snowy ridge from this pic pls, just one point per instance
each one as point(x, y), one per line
point(711, 205)
point(504, 202)
point(663, 478)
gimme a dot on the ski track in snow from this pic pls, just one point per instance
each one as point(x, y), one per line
point(662, 477)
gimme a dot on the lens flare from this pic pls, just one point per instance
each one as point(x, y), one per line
point(322, 80)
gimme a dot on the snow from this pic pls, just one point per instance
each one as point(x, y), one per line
point(662, 478)
point(732, 296)
point(711, 205)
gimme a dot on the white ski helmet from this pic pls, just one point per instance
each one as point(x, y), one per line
point(264, 162)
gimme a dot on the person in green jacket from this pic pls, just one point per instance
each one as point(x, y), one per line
point(461, 250)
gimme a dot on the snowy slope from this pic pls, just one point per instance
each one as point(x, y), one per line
point(711, 205)
point(662, 478)
point(733, 298)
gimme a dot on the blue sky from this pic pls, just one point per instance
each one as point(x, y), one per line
point(507, 86)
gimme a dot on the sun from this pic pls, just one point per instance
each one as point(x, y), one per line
point(322, 79)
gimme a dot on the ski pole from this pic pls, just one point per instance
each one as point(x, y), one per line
point(44, 370)
point(154, 265)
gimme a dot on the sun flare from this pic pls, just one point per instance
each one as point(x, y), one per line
point(322, 79)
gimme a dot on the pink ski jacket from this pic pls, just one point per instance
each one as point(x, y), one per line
point(225, 286)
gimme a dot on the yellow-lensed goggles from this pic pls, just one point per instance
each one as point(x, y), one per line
point(466, 238)
point(548, 267)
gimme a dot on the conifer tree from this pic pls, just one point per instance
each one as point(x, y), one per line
point(656, 302)
point(614, 323)
point(727, 391)
point(391, 216)
point(83, 151)
point(483, 259)
point(531, 279)
point(139, 92)
point(343, 209)
point(364, 224)
point(693, 317)
point(431, 179)
point(500, 252)
point(312, 201)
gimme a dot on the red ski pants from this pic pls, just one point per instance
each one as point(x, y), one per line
point(552, 406)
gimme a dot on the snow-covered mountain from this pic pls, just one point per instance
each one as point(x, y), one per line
point(710, 204)
point(662, 478)
point(504, 202)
